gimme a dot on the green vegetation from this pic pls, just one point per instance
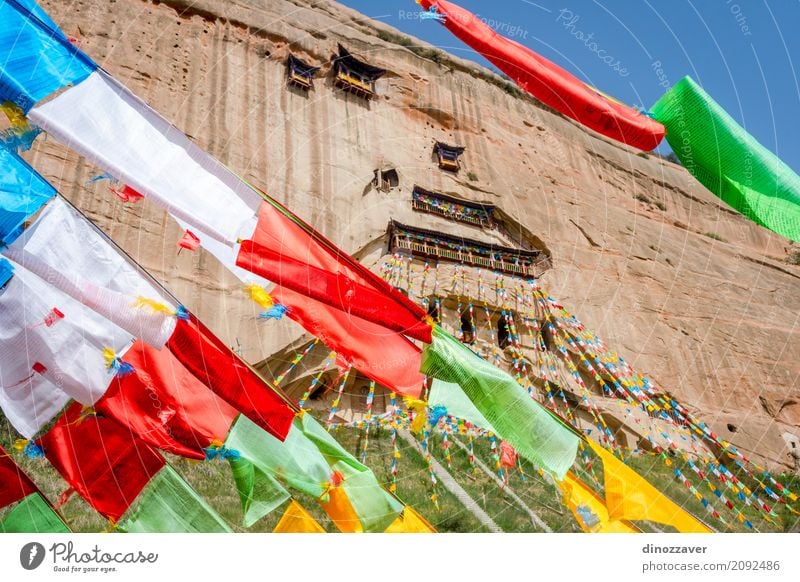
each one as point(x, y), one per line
point(715, 236)
point(794, 259)
point(472, 176)
point(432, 54)
point(213, 481)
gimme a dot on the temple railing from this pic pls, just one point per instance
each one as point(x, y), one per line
point(467, 258)
point(348, 81)
point(424, 206)
point(298, 79)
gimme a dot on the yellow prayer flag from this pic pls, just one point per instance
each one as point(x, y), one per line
point(297, 520)
point(630, 496)
point(410, 522)
point(589, 509)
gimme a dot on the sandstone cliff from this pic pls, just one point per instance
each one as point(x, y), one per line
point(684, 288)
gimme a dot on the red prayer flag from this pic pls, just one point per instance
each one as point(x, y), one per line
point(100, 459)
point(332, 288)
point(549, 83)
point(280, 235)
point(189, 241)
point(216, 366)
point(165, 404)
point(380, 354)
point(14, 483)
point(127, 194)
point(508, 456)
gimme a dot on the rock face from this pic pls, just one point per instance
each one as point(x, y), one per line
point(687, 290)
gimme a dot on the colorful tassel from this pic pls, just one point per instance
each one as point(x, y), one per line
point(154, 306)
point(189, 241)
point(179, 312)
point(115, 363)
point(433, 14)
point(259, 295)
point(217, 450)
point(21, 134)
point(128, 194)
point(53, 317)
point(277, 311)
point(99, 178)
point(29, 448)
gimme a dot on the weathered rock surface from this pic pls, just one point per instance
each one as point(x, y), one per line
point(683, 287)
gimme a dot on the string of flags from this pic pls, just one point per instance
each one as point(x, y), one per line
point(706, 139)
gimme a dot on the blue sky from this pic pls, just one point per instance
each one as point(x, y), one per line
point(745, 53)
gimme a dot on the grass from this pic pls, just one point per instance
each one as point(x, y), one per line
point(472, 176)
point(413, 479)
point(794, 259)
point(213, 481)
point(714, 236)
point(538, 494)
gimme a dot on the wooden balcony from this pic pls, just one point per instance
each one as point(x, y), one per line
point(423, 206)
point(352, 84)
point(434, 251)
point(299, 81)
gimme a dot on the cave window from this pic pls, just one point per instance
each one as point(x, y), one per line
point(547, 337)
point(363, 397)
point(503, 334)
point(467, 329)
point(448, 156)
point(321, 389)
point(300, 74)
point(385, 180)
point(355, 76)
point(434, 309)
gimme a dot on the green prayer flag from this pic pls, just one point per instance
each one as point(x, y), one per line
point(458, 404)
point(327, 445)
point(306, 461)
point(168, 505)
point(527, 425)
point(259, 492)
point(375, 507)
point(294, 462)
point(729, 161)
point(33, 514)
